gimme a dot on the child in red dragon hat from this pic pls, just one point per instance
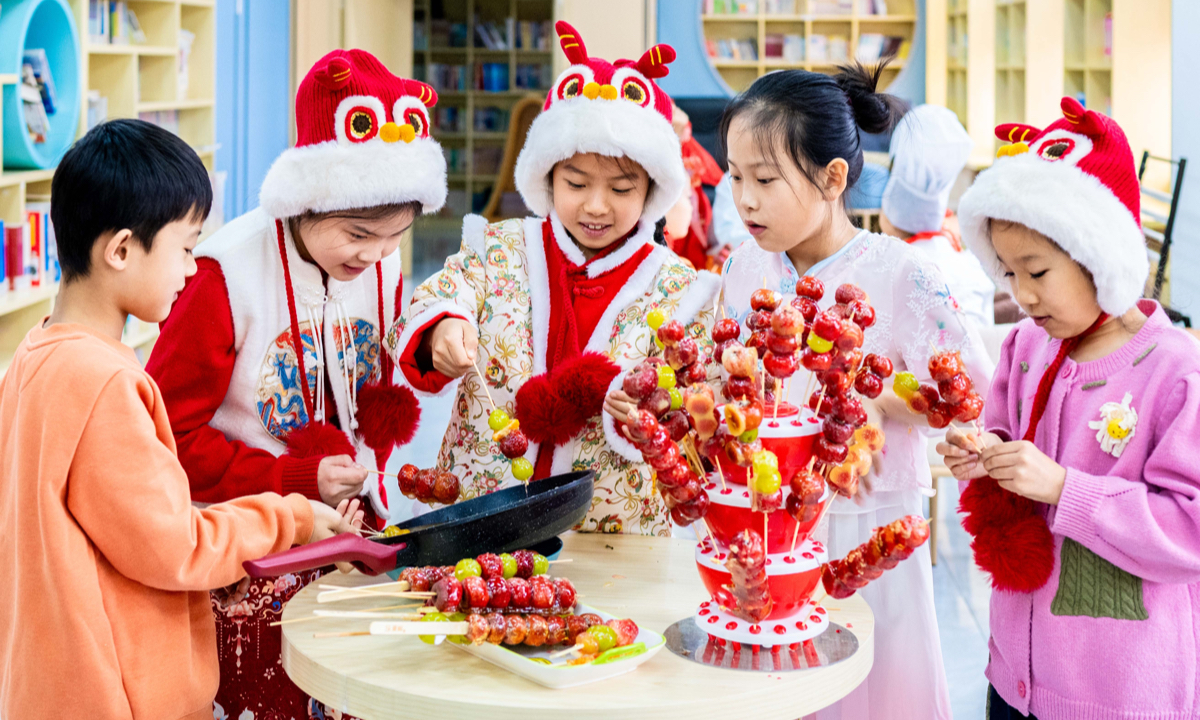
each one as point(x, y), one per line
point(270, 363)
point(1083, 493)
point(553, 308)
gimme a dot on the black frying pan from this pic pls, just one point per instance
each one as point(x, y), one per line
point(511, 519)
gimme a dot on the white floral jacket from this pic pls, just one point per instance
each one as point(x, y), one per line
point(498, 282)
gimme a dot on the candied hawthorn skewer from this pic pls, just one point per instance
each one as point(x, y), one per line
point(887, 546)
point(747, 564)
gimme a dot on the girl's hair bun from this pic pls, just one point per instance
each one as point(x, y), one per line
point(874, 112)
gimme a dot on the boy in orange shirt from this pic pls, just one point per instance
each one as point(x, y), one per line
point(105, 609)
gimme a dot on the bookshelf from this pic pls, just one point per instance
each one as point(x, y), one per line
point(1113, 55)
point(135, 79)
point(816, 35)
point(472, 123)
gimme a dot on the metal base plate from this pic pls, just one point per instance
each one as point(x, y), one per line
point(687, 640)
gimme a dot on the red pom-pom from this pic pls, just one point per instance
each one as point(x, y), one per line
point(1019, 557)
point(318, 439)
point(388, 415)
point(1011, 540)
point(539, 410)
point(582, 382)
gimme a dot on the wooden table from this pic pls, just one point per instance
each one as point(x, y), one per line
point(652, 580)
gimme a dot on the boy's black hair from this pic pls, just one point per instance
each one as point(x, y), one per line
point(124, 174)
point(815, 117)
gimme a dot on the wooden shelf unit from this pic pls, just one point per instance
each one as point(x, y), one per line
point(469, 184)
point(739, 74)
point(1064, 46)
point(136, 78)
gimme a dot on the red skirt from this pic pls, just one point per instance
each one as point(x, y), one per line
point(249, 650)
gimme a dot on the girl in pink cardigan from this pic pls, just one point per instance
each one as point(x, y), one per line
point(1084, 493)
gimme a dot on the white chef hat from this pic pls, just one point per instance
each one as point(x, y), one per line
point(929, 149)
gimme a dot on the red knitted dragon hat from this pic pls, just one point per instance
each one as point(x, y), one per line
point(612, 109)
point(1074, 182)
point(362, 139)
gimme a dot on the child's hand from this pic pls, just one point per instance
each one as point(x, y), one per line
point(454, 345)
point(231, 595)
point(1021, 468)
point(619, 405)
point(339, 478)
point(961, 452)
point(327, 522)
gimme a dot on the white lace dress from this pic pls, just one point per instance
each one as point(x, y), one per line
point(914, 313)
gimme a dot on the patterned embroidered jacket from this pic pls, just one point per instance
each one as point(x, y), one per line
point(498, 282)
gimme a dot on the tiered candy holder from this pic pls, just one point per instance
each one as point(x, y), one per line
point(793, 575)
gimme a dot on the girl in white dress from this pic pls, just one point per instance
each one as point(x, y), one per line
point(792, 141)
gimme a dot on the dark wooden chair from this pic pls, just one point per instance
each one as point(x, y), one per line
point(1159, 227)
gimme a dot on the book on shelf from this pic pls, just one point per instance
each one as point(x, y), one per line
point(731, 7)
point(35, 59)
point(97, 108)
point(37, 123)
point(737, 50)
point(490, 119)
point(874, 7)
point(533, 76)
point(186, 39)
point(793, 48)
point(787, 47)
point(874, 46)
point(1108, 29)
point(165, 119)
point(14, 256)
point(30, 251)
point(533, 34)
point(780, 7)
point(136, 35)
point(831, 7)
point(42, 242)
point(818, 48)
point(491, 77)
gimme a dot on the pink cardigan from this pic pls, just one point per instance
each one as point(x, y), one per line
point(1115, 632)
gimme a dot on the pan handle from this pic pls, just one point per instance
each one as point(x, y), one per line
point(371, 557)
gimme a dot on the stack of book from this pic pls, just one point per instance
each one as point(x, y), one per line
point(730, 49)
point(873, 46)
point(491, 119)
point(30, 252)
point(491, 76)
point(447, 77)
point(38, 98)
point(112, 22)
point(789, 48)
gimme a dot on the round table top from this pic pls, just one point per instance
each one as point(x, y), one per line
point(649, 579)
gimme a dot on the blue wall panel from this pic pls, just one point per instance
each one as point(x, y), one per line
point(253, 94)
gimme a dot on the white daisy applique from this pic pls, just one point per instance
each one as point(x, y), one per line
point(1117, 425)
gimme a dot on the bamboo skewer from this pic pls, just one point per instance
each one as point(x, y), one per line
point(314, 616)
point(365, 614)
point(483, 384)
point(795, 537)
point(339, 595)
point(400, 585)
point(720, 474)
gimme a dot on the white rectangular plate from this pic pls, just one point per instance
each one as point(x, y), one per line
point(520, 660)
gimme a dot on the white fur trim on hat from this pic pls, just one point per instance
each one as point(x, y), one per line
point(1072, 208)
point(614, 128)
point(335, 176)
